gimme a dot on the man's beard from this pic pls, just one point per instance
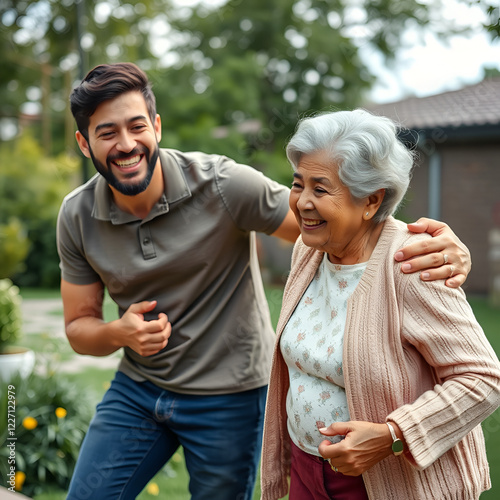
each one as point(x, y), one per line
point(128, 189)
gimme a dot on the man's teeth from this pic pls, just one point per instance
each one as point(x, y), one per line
point(128, 162)
point(312, 222)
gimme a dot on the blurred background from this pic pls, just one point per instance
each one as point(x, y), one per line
point(234, 77)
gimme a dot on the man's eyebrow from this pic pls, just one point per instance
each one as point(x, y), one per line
point(113, 124)
point(135, 118)
point(104, 125)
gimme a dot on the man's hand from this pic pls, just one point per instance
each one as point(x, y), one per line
point(442, 257)
point(89, 334)
point(144, 337)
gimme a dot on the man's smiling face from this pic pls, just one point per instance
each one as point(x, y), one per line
point(123, 143)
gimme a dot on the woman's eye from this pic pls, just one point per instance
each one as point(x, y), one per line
point(296, 185)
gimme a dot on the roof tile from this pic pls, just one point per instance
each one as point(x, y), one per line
point(473, 105)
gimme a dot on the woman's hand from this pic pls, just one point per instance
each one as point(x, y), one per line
point(365, 445)
point(442, 257)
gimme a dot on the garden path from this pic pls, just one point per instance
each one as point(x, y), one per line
point(44, 316)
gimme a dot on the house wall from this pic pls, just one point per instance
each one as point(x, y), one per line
point(416, 202)
point(470, 200)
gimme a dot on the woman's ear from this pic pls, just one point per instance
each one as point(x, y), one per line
point(373, 203)
point(82, 143)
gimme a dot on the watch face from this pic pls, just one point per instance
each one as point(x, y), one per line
point(397, 446)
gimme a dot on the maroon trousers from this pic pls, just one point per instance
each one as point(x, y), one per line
point(312, 478)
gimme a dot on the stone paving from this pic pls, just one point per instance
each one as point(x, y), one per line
point(44, 316)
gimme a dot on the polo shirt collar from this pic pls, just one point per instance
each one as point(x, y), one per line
point(176, 190)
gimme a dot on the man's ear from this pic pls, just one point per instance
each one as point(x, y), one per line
point(157, 127)
point(82, 143)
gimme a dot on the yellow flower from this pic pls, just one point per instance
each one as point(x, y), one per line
point(30, 423)
point(19, 479)
point(61, 412)
point(153, 489)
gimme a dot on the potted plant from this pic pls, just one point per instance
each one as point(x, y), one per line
point(13, 359)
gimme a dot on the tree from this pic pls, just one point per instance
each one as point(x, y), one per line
point(276, 62)
point(213, 67)
point(493, 23)
point(233, 80)
point(40, 42)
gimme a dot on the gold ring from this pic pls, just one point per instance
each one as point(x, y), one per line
point(334, 469)
point(445, 257)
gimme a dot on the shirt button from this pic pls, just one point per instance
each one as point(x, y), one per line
point(146, 241)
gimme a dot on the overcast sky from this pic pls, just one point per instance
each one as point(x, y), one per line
point(435, 67)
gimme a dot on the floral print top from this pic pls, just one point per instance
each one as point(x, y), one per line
point(311, 345)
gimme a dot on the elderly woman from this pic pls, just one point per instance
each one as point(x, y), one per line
point(379, 380)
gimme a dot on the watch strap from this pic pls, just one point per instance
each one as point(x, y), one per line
point(397, 444)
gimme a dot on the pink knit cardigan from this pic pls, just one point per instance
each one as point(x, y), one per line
point(413, 354)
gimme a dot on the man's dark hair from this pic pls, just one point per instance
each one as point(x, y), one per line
point(106, 82)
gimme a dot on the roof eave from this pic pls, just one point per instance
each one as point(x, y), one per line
point(463, 133)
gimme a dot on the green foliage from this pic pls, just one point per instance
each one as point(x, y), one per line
point(493, 13)
point(32, 187)
point(270, 62)
point(14, 246)
point(51, 418)
point(10, 314)
point(39, 50)
point(263, 61)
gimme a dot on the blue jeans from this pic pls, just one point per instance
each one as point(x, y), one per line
point(138, 427)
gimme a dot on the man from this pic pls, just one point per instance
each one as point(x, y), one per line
point(170, 235)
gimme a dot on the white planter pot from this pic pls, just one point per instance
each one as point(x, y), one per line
point(17, 360)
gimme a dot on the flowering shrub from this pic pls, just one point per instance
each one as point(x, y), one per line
point(52, 416)
point(10, 314)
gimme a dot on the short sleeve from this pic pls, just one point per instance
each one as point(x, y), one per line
point(74, 267)
point(254, 202)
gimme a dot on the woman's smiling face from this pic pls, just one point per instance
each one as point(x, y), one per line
point(328, 217)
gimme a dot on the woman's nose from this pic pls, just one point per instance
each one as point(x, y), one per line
point(304, 201)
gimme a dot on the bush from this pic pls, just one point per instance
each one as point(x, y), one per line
point(10, 314)
point(14, 246)
point(32, 187)
point(51, 419)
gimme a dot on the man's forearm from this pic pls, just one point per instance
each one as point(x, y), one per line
point(93, 336)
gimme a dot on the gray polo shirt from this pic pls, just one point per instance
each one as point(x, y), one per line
point(195, 254)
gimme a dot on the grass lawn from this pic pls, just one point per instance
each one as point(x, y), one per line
point(171, 482)
point(489, 319)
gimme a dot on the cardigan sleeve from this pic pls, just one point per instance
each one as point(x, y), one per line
point(440, 324)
